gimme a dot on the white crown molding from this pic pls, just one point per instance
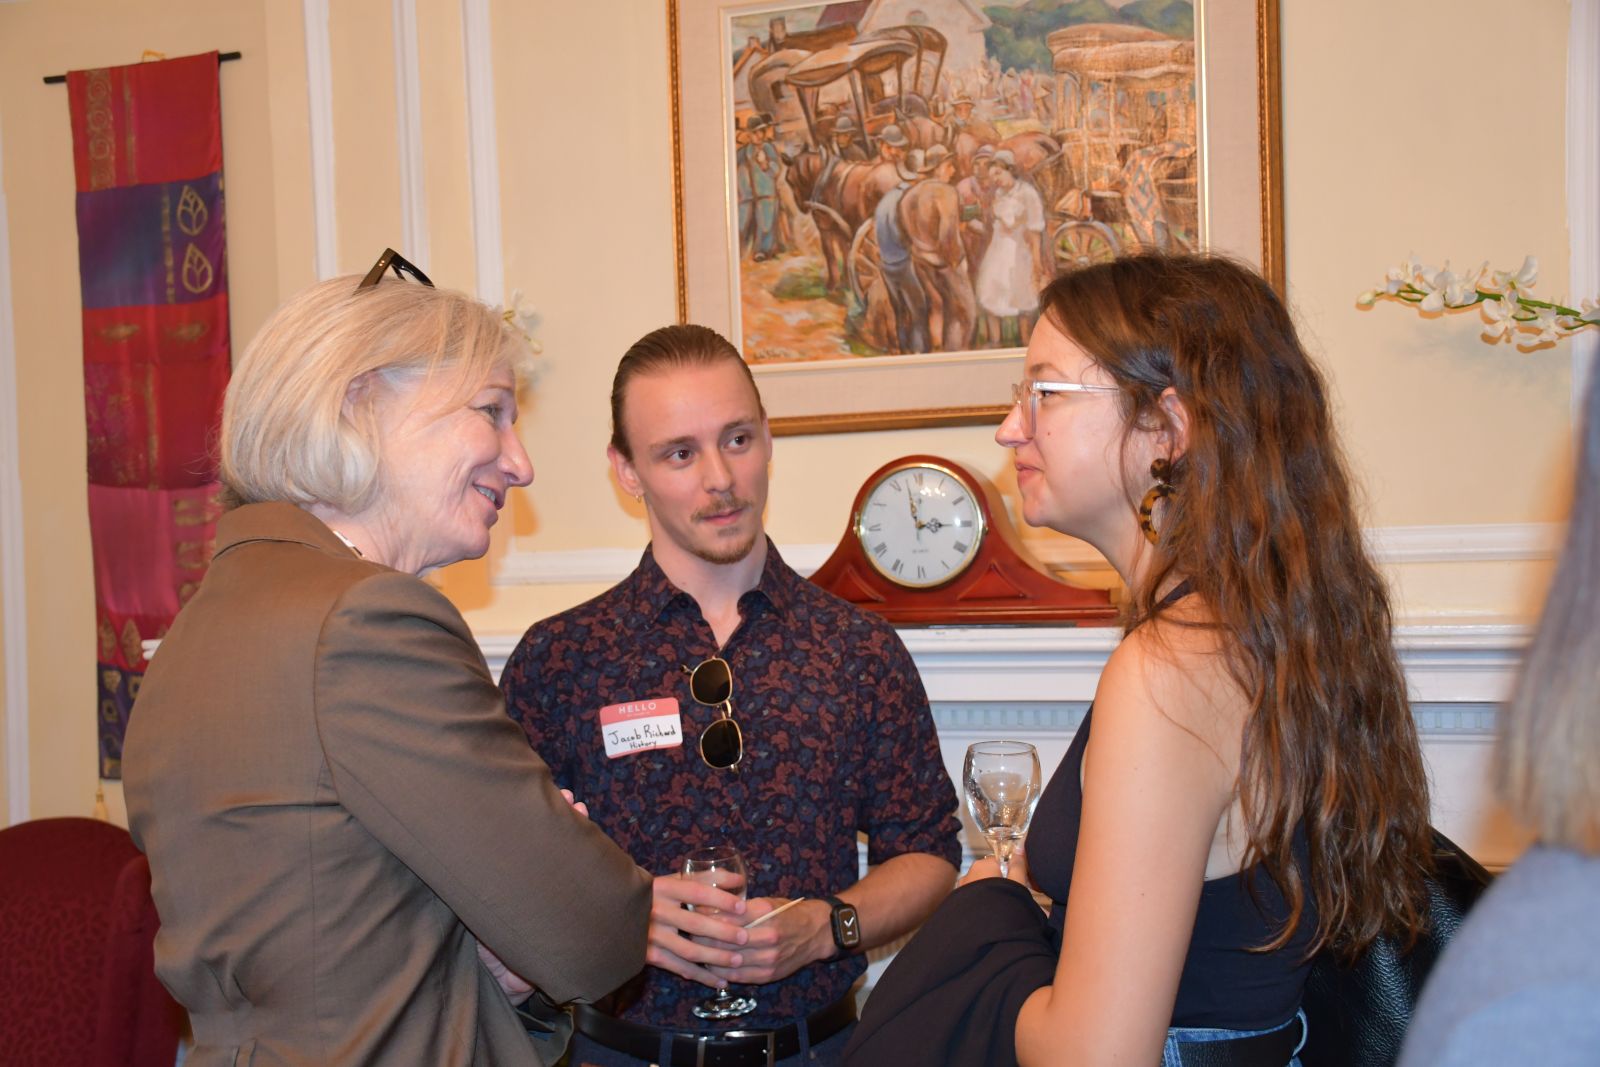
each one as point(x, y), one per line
point(1481, 543)
point(13, 570)
point(319, 98)
point(408, 110)
point(1505, 542)
point(1583, 179)
point(477, 46)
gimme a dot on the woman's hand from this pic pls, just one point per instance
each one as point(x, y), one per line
point(989, 867)
point(577, 805)
point(511, 984)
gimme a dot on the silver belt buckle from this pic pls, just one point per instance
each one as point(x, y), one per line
point(770, 1035)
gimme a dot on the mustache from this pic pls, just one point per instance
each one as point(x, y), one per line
point(722, 507)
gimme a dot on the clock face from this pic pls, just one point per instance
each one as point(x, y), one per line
point(920, 525)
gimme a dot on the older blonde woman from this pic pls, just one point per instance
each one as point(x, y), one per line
point(1520, 983)
point(336, 809)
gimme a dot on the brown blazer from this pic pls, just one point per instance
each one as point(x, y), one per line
point(334, 803)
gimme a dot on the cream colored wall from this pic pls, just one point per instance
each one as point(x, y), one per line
point(1430, 127)
point(1441, 428)
point(1400, 137)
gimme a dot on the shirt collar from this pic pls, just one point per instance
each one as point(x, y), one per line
point(652, 595)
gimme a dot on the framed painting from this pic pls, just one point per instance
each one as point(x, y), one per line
point(870, 194)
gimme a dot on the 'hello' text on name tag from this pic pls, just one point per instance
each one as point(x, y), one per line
point(641, 725)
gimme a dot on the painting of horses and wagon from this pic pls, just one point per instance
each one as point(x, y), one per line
point(910, 172)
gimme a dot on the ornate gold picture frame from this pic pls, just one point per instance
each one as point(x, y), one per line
point(757, 88)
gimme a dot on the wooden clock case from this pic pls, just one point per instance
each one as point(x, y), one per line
point(1003, 585)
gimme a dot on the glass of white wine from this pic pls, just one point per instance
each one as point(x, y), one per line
point(723, 868)
point(1001, 779)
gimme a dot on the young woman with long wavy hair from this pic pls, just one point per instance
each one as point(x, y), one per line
point(1248, 786)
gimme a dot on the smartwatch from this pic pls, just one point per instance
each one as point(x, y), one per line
point(846, 924)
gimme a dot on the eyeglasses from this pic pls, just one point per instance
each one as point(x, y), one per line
point(1028, 391)
point(392, 260)
point(711, 684)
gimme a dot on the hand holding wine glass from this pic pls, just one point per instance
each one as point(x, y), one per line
point(723, 868)
point(1001, 779)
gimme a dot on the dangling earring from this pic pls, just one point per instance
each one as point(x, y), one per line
point(1161, 471)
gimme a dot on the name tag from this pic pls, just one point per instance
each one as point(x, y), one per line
point(641, 725)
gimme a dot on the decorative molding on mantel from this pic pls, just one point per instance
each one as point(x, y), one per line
point(956, 721)
point(1446, 663)
point(1478, 543)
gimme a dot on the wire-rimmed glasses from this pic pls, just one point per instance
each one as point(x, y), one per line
point(1027, 392)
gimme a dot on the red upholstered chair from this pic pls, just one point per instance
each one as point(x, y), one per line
point(77, 928)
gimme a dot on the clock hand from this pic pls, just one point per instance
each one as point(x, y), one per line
point(911, 498)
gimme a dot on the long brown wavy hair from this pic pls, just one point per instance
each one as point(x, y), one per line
point(1263, 526)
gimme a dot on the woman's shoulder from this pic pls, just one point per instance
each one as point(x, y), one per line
point(1172, 672)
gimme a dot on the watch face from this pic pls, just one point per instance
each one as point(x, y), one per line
point(846, 926)
point(920, 526)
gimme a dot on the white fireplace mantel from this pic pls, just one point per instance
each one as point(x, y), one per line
point(1446, 661)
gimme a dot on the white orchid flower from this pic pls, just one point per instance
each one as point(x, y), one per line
point(1524, 277)
point(1502, 297)
point(1439, 284)
point(522, 319)
point(1463, 291)
point(1401, 275)
point(1547, 321)
point(1499, 317)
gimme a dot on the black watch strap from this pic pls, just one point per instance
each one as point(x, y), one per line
point(846, 924)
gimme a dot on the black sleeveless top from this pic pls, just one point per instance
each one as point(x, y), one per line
point(1224, 985)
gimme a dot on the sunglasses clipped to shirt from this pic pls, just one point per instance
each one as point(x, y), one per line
point(721, 742)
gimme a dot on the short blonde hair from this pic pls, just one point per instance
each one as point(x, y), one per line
point(288, 433)
point(1548, 760)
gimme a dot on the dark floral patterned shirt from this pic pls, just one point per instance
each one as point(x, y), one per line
point(838, 740)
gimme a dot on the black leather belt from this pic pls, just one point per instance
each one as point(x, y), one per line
point(727, 1048)
point(1273, 1049)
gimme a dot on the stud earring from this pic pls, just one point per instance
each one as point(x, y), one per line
point(1161, 471)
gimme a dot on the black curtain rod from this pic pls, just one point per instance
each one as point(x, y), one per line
point(61, 79)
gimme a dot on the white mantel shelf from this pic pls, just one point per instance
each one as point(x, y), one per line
point(1447, 661)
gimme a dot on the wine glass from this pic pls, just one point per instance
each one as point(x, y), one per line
point(1002, 786)
point(723, 868)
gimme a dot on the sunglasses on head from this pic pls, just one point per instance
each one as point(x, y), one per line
point(402, 267)
point(721, 742)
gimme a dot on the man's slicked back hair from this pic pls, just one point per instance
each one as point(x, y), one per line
point(670, 348)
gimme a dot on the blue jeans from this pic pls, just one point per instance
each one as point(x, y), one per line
point(1179, 1035)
